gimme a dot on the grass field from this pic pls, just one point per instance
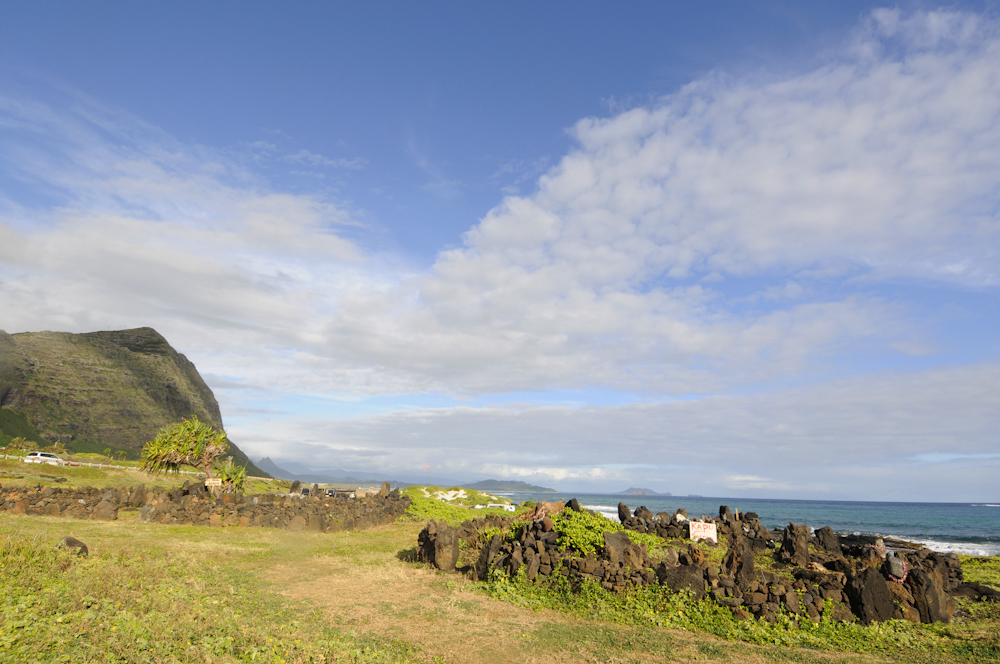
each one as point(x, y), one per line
point(153, 593)
point(13, 472)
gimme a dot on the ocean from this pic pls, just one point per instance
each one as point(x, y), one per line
point(967, 528)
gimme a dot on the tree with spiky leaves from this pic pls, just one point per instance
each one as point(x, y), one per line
point(186, 443)
point(233, 477)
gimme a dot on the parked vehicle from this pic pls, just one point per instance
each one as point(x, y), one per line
point(43, 457)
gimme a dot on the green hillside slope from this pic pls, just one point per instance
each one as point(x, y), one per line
point(103, 389)
point(15, 425)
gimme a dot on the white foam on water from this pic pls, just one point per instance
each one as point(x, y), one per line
point(603, 510)
point(965, 548)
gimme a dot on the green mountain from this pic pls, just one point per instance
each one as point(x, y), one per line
point(101, 389)
point(507, 485)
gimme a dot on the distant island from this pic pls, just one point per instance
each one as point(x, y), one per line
point(507, 485)
point(633, 491)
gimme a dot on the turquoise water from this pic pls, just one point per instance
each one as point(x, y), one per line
point(969, 528)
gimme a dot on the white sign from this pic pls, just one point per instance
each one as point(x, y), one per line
point(213, 481)
point(701, 530)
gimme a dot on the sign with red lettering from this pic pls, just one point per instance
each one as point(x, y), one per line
point(703, 531)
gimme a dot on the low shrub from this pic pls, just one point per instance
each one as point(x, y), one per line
point(584, 532)
point(982, 569)
point(660, 607)
point(425, 509)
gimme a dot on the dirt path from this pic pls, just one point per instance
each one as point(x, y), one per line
point(420, 607)
point(449, 623)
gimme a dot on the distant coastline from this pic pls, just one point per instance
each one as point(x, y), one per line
point(633, 491)
point(966, 528)
point(508, 485)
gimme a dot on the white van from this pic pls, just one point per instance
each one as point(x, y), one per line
point(43, 457)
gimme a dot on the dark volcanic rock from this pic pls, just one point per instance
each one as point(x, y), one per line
point(738, 563)
point(73, 545)
point(683, 577)
point(827, 540)
point(929, 598)
point(795, 545)
point(976, 591)
point(615, 545)
point(487, 555)
point(894, 567)
point(105, 511)
point(437, 545)
point(623, 512)
point(870, 598)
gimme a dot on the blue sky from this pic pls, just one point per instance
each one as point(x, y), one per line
point(713, 248)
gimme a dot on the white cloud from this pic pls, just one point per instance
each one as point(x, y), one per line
point(140, 230)
point(867, 438)
point(883, 164)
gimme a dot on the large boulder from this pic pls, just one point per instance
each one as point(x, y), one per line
point(827, 540)
point(437, 545)
point(619, 549)
point(870, 597)
point(138, 496)
point(894, 567)
point(623, 512)
point(976, 591)
point(682, 577)
point(615, 545)
point(105, 511)
point(929, 597)
point(738, 563)
point(795, 545)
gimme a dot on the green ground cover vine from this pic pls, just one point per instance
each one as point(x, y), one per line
point(656, 606)
point(584, 532)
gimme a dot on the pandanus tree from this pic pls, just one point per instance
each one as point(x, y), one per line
point(233, 477)
point(186, 443)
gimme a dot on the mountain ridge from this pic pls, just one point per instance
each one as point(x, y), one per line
point(508, 485)
point(104, 389)
point(324, 476)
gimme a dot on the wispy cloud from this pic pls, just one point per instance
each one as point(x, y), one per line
point(313, 159)
point(865, 438)
point(440, 184)
point(810, 190)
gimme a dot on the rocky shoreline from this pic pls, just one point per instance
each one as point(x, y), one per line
point(761, 574)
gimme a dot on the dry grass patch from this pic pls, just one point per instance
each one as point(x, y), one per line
point(363, 583)
point(353, 596)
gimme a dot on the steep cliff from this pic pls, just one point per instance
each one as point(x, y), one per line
point(103, 389)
